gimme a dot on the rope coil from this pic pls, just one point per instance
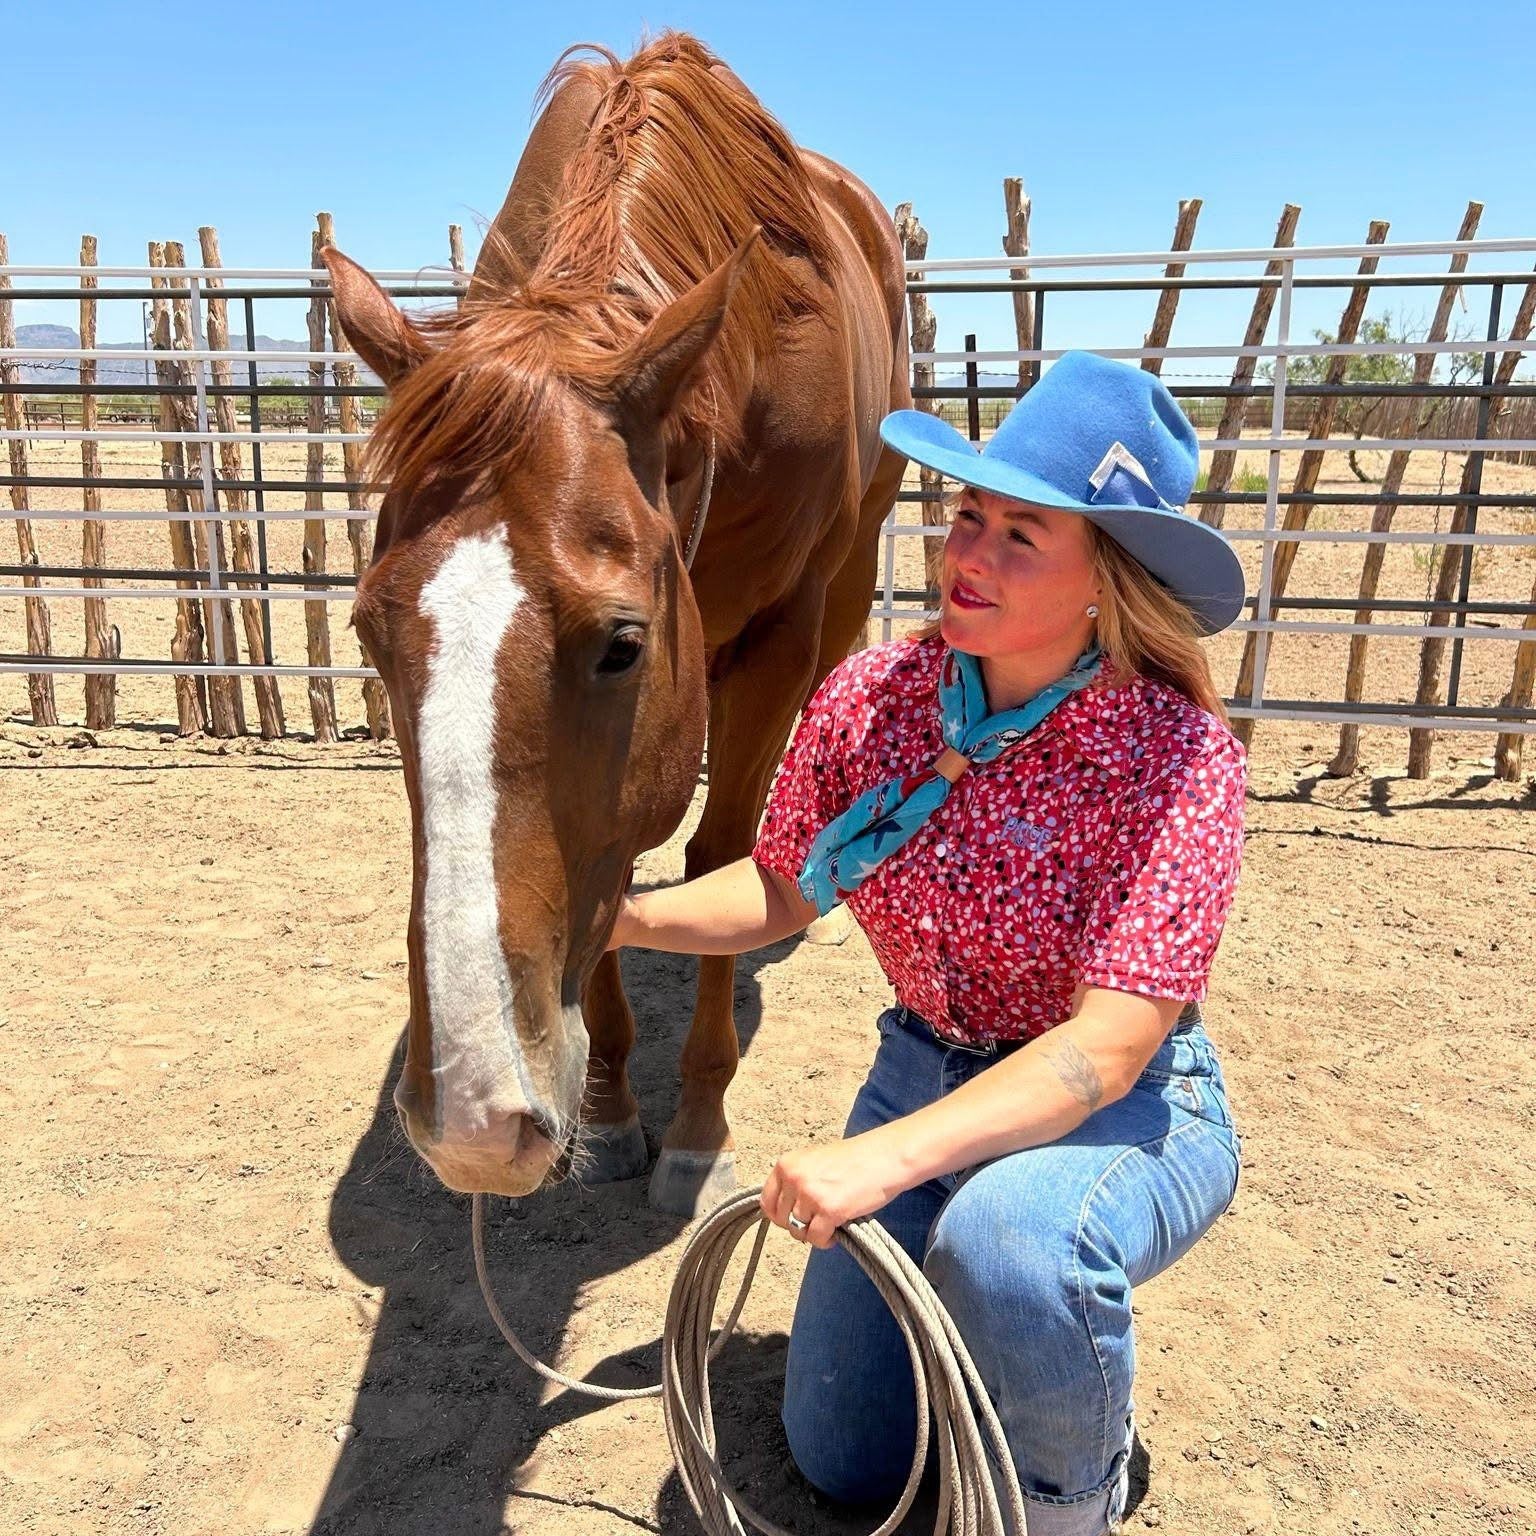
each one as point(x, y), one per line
point(974, 1463)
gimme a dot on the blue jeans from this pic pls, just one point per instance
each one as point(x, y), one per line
point(1035, 1255)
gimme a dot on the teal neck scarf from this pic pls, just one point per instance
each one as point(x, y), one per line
point(886, 817)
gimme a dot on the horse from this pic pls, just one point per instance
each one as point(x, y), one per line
point(676, 315)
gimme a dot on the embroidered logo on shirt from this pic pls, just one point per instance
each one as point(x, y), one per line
point(1026, 835)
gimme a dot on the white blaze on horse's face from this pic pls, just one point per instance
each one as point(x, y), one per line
point(484, 1098)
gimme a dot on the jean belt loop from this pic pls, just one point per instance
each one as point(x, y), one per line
point(1193, 1017)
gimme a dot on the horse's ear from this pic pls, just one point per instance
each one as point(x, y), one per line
point(373, 325)
point(663, 361)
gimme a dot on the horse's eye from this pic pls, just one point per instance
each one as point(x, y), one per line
point(625, 647)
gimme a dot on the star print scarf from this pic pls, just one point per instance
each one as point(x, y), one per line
point(884, 818)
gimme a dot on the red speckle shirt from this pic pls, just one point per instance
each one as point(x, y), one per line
point(1102, 851)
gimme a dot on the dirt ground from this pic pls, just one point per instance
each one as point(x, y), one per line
point(235, 1302)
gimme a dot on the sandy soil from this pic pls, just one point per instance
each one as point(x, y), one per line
point(234, 1302)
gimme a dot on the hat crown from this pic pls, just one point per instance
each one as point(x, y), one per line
point(1079, 409)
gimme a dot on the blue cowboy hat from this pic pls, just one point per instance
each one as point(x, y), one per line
point(1107, 440)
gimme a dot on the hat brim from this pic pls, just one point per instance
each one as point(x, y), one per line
point(1189, 557)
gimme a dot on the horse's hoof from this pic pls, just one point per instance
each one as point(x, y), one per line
point(831, 927)
point(692, 1183)
point(613, 1152)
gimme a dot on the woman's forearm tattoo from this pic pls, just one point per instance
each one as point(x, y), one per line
point(1078, 1074)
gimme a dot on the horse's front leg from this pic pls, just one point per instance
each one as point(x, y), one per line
point(613, 1144)
point(753, 705)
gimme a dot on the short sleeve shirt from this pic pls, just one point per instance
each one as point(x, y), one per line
point(1102, 851)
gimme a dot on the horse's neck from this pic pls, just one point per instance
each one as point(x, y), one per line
point(516, 237)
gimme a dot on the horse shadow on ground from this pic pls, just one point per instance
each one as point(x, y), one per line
point(447, 1421)
point(445, 1418)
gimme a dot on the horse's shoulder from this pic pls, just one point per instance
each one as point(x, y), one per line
point(866, 219)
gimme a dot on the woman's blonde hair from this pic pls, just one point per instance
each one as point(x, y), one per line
point(1143, 627)
point(1146, 630)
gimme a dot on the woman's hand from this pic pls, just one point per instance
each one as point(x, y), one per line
point(828, 1185)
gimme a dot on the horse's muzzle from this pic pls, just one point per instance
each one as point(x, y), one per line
point(511, 1155)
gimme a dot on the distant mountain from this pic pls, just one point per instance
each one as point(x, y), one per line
point(984, 379)
point(110, 372)
point(45, 336)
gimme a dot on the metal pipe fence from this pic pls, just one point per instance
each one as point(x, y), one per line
point(1488, 419)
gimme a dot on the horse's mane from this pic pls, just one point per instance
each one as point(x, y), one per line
point(678, 166)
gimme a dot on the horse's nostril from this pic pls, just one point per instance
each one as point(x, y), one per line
point(546, 1128)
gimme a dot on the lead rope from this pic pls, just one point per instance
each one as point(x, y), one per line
point(973, 1456)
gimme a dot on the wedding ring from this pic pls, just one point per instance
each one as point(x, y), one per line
point(795, 1224)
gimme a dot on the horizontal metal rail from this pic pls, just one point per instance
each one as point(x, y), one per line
point(1278, 536)
point(1025, 355)
point(308, 279)
point(306, 276)
point(1259, 350)
point(150, 436)
point(80, 666)
point(189, 593)
point(341, 585)
point(269, 515)
point(1263, 253)
point(315, 595)
point(1156, 284)
point(1387, 716)
point(176, 355)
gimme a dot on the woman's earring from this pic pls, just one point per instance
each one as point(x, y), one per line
point(1093, 610)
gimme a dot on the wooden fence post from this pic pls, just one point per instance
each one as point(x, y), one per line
point(100, 641)
point(359, 529)
point(1421, 742)
point(269, 699)
point(1168, 300)
point(39, 631)
point(1510, 749)
point(187, 636)
point(1016, 207)
point(1298, 511)
point(317, 622)
point(226, 706)
point(1347, 758)
point(923, 333)
point(1235, 413)
point(456, 257)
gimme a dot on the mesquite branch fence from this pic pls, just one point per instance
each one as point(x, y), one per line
point(1417, 560)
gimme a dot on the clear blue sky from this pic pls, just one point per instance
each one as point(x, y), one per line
point(137, 122)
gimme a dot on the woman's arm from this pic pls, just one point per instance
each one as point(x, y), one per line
point(732, 909)
point(1039, 1094)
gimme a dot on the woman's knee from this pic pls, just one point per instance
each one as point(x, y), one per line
point(848, 1411)
point(998, 1261)
point(841, 1458)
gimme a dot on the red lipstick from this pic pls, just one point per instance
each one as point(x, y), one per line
point(963, 597)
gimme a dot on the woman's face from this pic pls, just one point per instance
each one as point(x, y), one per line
point(1017, 578)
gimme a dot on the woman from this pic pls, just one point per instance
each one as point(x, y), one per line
point(1036, 816)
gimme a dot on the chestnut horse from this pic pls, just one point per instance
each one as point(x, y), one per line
point(671, 287)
